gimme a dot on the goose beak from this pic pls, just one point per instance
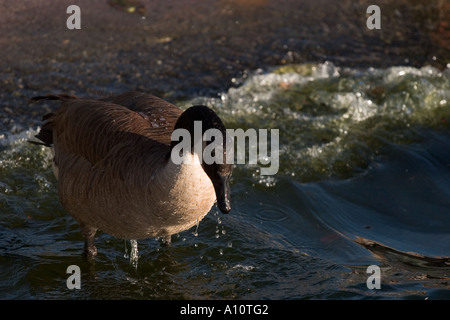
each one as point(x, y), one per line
point(222, 188)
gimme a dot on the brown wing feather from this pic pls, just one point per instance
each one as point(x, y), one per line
point(93, 128)
point(159, 114)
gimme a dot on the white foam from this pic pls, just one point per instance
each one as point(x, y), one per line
point(8, 139)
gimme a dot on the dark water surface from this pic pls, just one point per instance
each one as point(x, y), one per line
point(364, 119)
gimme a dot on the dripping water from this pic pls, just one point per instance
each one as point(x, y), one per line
point(134, 254)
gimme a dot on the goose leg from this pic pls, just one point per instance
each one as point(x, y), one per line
point(167, 240)
point(90, 250)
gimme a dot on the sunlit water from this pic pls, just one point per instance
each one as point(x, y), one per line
point(364, 179)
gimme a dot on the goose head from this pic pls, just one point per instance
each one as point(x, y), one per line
point(197, 120)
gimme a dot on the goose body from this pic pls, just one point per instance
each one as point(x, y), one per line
point(112, 161)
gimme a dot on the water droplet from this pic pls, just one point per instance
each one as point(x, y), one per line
point(134, 254)
point(126, 255)
point(195, 233)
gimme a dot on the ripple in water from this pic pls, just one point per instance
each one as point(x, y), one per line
point(334, 121)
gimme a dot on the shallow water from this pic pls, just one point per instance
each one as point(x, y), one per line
point(364, 173)
point(364, 180)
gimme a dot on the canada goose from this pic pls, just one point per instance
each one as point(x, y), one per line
point(112, 160)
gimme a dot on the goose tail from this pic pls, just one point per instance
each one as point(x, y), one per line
point(45, 134)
